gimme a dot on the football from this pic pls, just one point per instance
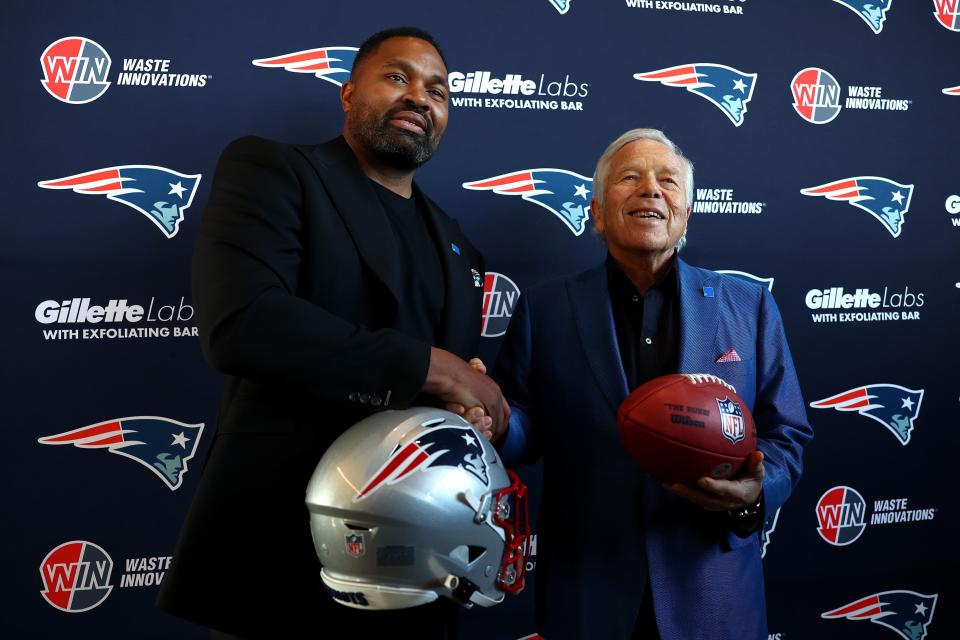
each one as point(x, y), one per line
point(682, 427)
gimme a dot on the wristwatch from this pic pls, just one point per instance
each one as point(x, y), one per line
point(748, 512)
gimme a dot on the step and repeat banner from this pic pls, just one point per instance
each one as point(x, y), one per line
point(825, 139)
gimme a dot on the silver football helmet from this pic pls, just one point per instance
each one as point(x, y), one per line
point(407, 506)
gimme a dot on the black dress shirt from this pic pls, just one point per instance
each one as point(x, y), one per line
point(648, 324)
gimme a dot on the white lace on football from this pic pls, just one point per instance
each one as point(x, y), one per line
point(705, 378)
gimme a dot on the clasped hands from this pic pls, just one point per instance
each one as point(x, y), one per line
point(465, 389)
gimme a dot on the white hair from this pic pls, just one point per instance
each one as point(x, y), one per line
point(603, 165)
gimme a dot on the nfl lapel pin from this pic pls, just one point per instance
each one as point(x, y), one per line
point(708, 292)
point(477, 278)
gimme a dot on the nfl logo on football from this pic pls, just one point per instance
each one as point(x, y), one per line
point(355, 545)
point(731, 418)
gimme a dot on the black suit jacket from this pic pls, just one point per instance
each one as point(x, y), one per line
point(296, 291)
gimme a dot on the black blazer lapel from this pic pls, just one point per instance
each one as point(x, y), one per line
point(590, 300)
point(358, 205)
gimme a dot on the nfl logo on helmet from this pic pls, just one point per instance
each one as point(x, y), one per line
point(725, 87)
point(355, 546)
point(332, 64)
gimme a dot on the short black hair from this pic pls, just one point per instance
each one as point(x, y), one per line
point(371, 44)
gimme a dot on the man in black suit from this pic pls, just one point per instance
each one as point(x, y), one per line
point(327, 287)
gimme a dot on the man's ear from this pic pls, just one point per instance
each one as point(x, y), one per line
point(598, 222)
point(346, 96)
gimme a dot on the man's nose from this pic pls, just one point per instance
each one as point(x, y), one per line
point(416, 94)
point(648, 186)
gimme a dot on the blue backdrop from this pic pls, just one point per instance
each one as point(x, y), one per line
point(824, 138)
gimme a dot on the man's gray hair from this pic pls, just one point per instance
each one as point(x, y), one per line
point(603, 167)
point(603, 164)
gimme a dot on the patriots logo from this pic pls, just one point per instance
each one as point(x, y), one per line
point(563, 193)
point(562, 6)
point(161, 445)
point(873, 12)
point(442, 446)
point(947, 13)
point(769, 526)
point(908, 613)
point(884, 199)
point(891, 405)
point(158, 193)
point(726, 87)
point(332, 64)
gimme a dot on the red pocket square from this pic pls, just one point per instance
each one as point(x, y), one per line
point(730, 356)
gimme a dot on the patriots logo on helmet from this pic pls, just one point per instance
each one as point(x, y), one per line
point(332, 64)
point(908, 613)
point(873, 12)
point(442, 446)
point(563, 193)
point(891, 405)
point(159, 193)
point(947, 13)
point(161, 445)
point(726, 87)
point(884, 199)
point(562, 6)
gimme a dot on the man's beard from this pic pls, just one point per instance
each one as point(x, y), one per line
point(398, 148)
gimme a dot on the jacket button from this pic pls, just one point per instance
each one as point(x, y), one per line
point(376, 401)
point(364, 398)
point(353, 397)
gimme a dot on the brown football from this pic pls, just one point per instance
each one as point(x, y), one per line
point(682, 427)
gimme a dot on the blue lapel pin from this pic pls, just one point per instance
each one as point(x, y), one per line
point(455, 248)
point(708, 292)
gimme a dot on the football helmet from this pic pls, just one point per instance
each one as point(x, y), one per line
point(407, 506)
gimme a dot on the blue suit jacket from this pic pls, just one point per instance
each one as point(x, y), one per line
point(604, 525)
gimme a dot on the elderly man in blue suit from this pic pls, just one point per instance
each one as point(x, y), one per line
point(621, 555)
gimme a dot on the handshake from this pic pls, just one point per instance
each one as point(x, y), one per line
point(466, 390)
